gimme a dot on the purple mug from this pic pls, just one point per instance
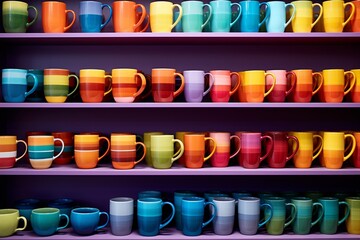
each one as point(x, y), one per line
point(195, 85)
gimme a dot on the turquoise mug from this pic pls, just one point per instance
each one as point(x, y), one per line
point(85, 220)
point(221, 15)
point(192, 19)
point(178, 196)
point(330, 220)
point(250, 17)
point(277, 19)
point(45, 221)
point(38, 95)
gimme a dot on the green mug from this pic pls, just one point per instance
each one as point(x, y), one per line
point(162, 151)
point(9, 220)
point(147, 142)
point(353, 221)
point(15, 16)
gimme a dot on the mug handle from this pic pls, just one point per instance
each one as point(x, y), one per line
point(110, 15)
point(179, 153)
point(213, 150)
point(293, 214)
point(36, 16)
point(347, 212)
point(270, 216)
point(293, 80)
point(72, 22)
point(271, 146)
point(67, 221)
point(292, 15)
point(143, 156)
point(181, 88)
point(106, 223)
point(143, 15)
point(26, 147)
point(110, 88)
point(77, 84)
point(108, 147)
point(36, 83)
point(168, 220)
point(25, 224)
point(62, 147)
point(273, 84)
point(143, 84)
point(351, 14)
point(352, 79)
point(211, 83)
point(295, 139)
point(319, 84)
point(237, 85)
point(213, 213)
point(319, 147)
point(320, 13)
point(179, 17)
point(267, 13)
point(210, 13)
point(320, 215)
point(353, 145)
point(239, 145)
point(239, 14)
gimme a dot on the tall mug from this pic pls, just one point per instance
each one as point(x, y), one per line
point(307, 153)
point(163, 84)
point(194, 145)
point(221, 15)
point(162, 151)
point(195, 85)
point(355, 91)
point(277, 20)
point(222, 153)
point(91, 16)
point(124, 85)
point(253, 85)
point(8, 151)
point(304, 19)
point(121, 215)
point(330, 221)
point(222, 90)
point(92, 85)
point(192, 19)
point(334, 15)
point(250, 15)
point(125, 16)
point(15, 16)
point(161, 16)
point(336, 85)
point(284, 85)
point(54, 17)
point(353, 222)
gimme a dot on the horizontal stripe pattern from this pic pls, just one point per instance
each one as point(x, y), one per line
point(56, 80)
point(7, 147)
point(10, 154)
point(7, 162)
point(14, 80)
point(56, 71)
point(40, 147)
point(56, 90)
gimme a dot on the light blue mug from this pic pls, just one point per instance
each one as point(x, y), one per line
point(221, 15)
point(277, 20)
point(250, 17)
point(192, 19)
point(91, 16)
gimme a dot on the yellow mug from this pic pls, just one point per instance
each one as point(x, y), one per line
point(334, 149)
point(161, 16)
point(336, 85)
point(307, 153)
point(334, 15)
point(353, 221)
point(304, 15)
point(253, 85)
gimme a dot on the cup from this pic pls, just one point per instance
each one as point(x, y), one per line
point(250, 150)
point(85, 220)
point(353, 221)
point(125, 16)
point(163, 83)
point(222, 153)
point(279, 149)
point(303, 219)
point(249, 215)
point(38, 94)
point(16, 16)
point(284, 85)
point(123, 151)
point(91, 16)
point(9, 219)
point(307, 84)
point(336, 85)
point(221, 90)
point(147, 142)
point(304, 20)
point(355, 158)
point(310, 147)
point(253, 85)
point(355, 20)
point(161, 16)
point(8, 151)
point(355, 91)
point(45, 221)
point(56, 84)
point(192, 19)
point(124, 84)
point(121, 215)
point(278, 221)
point(68, 154)
point(194, 150)
point(220, 20)
point(223, 223)
point(92, 85)
point(41, 150)
point(334, 15)
point(195, 84)
point(277, 20)
point(330, 219)
point(162, 151)
point(149, 215)
point(178, 196)
point(54, 17)
point(14, 84)
point(87, 150)
point(250, 15)
point(334, 149)
point(192, 215)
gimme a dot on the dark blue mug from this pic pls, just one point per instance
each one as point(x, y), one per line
point(85, 220)
point(91, 16)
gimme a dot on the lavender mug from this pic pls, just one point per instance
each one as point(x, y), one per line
point(195, 85)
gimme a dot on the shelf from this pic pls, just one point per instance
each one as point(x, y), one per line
point(179, 105)
point(142, 170)
point(175, 38)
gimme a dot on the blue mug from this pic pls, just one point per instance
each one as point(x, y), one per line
point(91, 16)
point(149, 215)
point(192, 215)
point(85, 221)
point(250, 17)
point(277, 20)
point(178, 196)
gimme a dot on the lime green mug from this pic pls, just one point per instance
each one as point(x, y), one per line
point(9, 219)
point(162, 151)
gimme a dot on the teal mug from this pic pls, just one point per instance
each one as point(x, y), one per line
point(221, 15)
point(277, 19)
point(192, 19)
point(45, 221)
point(330, 220)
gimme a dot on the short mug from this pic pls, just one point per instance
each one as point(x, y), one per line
point(8, 151)
point(38, 94)
point(253, 83)
point(355, 91)
point(9, 219)
point(178, 196)
point(355, 20)
point(45, 221)
point(68, 154)
point(85, 220)
point(54, 17)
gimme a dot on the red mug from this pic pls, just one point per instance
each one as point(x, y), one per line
point(68, 154)
point(221, 90)
point(222, 153)
point(163, 84)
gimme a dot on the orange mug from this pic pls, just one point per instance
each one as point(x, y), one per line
point(355, 91)
point(355, 20)
point(124, 17)
point(163, 84)
point(54, 17)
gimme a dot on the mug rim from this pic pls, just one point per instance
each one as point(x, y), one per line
point(45, 210)
point(8, 211)
point(121, 200)
point(249, 199)
point(193, 199)
point(149, 200)
point(224, 199)
point(353, 198)
point(85, 210)
point(301, 199)
point(328, 199)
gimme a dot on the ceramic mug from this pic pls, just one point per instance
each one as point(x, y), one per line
point(355, 20)
point(15, 17)
point(163, 84)
point(161, 16)
point(8, 151)
point(308, 151)
point(253, 83)
point(222, 90)
point(307, 84)
point(335, 85)
point(38, 94)
point(85, 220)
point(194, 150)
point(54, 17)
point(330, 221)
point(178, 196)
point(121, 215)
point(9, 219)
point(91, 16)
point(285, 84)
point(181, 136)
point(68, 154)
point(45, 221)
point(162, 151)
point(355, 158)
point(221, 15)
point(355, 91)
point(125, 16)
point(194, 89)
point(222, 153)
point(250, 15)
point(192, 19)
point(353, 222)
point(334, 15)
point(147, 142)
point(304, 20)
point(92, 85)
point(277, 19)
point(223, 223)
